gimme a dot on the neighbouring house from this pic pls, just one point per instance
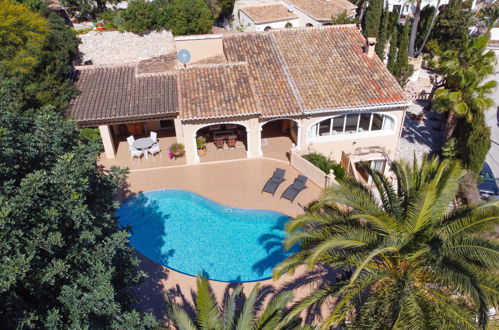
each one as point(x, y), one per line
point(323, 88)
point(292, 13)
point(408, 8)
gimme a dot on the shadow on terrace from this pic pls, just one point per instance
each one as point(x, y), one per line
point(123, 158)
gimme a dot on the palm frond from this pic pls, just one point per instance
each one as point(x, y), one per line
point(245, 320)
point(208, 315)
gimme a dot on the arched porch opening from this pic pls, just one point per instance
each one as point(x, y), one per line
point(277, 137)
point(222, 142)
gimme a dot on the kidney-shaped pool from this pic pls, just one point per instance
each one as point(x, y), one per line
point(191, 234)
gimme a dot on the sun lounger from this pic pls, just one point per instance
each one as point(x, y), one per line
point(294, 189)
point(274, 182)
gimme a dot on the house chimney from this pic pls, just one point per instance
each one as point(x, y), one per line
point(369, 47)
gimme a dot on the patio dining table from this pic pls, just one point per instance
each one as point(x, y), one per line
point(143, 144)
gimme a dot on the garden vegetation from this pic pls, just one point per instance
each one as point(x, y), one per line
point(64, 262)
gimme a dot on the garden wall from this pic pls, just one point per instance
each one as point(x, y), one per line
point(312, 172)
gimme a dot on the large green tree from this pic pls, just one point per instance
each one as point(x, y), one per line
point(372, 20)
point(210, 316)
point(23, 34)
point(189, 17)
point(64, 262)
point(451, 27)
point(383, 34)
point(37, 61)
point(409, 260)
point(473, 141)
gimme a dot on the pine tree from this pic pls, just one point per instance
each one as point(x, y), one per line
point(392, 55)
point(372, 21)
point(380, 46)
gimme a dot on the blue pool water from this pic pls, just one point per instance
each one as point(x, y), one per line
point(191, 234)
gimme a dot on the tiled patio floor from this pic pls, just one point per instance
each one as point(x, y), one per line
point(123, 155)
point(214, 154)
point(233, 183)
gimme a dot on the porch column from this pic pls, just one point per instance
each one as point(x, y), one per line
point(191, 150)
point(179, 132)
point(298, 135)
point(260, 151)
point(253, 138)
point(107, 140)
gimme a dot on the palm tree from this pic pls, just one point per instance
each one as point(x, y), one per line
point(490, 15)
point(210, 316)
point(414, 28)
point(409, 260)
point(464, 90)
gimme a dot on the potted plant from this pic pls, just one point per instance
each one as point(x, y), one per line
point(177, 150)
point(420, 116)
point(201, 144)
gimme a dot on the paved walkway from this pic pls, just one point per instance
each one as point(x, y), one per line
point(236, 184)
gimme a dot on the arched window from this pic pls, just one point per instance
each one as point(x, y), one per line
point(358, 123)
point(308, 25)
point(267, 28)
point(288, 25)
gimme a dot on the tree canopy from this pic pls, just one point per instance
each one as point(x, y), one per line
point(182, 17)
point(36, 61)
point(64, 261)
point(407, 259)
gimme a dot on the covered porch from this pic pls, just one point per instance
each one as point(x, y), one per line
point(116, 147)
point(278, 136)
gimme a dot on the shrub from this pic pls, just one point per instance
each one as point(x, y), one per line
point(177, 149)
point(141, 16)
point(201, 142)
point(326, 164)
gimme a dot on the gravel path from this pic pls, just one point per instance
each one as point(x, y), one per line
point(419, 137)
point(115, 48)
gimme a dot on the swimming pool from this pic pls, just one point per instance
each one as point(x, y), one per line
point(192, 234)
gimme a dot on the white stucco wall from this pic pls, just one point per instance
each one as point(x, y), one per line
point(250, 26)
point(332, 146)
point(411, 8)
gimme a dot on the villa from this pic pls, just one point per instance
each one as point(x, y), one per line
point(316, 89)
point(292, 13)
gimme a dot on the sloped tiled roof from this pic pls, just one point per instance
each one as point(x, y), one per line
point(331, 70)
point(324, 10)
point(280, 73)
point(267, 70)
point(268, 13)
point(117, 94)
point(214, 91)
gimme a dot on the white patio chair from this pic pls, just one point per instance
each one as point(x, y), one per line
point(135, 153)
point(130, 140)
point(154, 136)
point(154, 150)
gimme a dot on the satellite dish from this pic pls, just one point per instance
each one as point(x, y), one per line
point(183, 56)
point(290, 8)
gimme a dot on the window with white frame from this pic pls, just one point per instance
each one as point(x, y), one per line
point(353, 123)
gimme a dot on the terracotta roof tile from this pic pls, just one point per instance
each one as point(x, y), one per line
point(323, 10)
point(117, 94)
point(213, 91)
point(267, 70)
point(330, 69)
point(269, 13)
